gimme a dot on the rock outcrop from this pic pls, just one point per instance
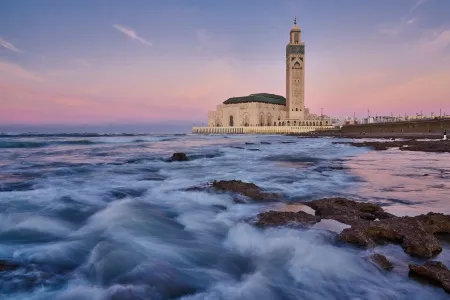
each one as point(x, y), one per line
point(238, 187)
point(277, 218)
point(348, 211)
point(433, 271)
point(370, 225)
point(381, 261)
point(249, 190)
point(179, 156)
point(415, 234)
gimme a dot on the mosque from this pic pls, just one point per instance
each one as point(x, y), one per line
point(270, 113)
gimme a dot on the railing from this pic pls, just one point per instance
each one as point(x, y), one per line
point(259, 129)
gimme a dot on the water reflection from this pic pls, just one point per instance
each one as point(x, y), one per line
point(410, 183)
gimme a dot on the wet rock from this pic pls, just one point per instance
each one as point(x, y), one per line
point(434, 271)
point(371, 225)
point(8, 266)
point(381, 261)
point(347, 211)
point(249, 190)
point(179, 156)
point(415, 234)
point(277, 218)
point(195, 189)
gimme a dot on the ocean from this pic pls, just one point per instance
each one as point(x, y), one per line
point(92, 216)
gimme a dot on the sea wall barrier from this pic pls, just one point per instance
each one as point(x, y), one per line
point(259, 129)
point(437, 125)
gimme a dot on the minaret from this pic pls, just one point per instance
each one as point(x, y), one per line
point(295, 75)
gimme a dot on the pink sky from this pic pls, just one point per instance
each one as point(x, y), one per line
point(396, 68)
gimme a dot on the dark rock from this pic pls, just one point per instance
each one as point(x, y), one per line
point(381, 261)
point(195, 189)
point(276, 218)
point(347, 211)
point(179, 156)
point(248, 143)
point(265, 143)
point(219, 207)
point(253, 149)
point(434, 271)
point(416, 234)
point(371, 225)
point(8, 266)
point(249, 190)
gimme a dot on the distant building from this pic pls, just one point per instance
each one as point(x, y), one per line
point(270, 110)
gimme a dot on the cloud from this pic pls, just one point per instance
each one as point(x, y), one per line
point(9, 46)
point(10, 70)
point(437, 44)
point(132, 34)
point(406, 21)
point(416, 5)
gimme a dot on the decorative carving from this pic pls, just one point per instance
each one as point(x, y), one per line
point(295, 49)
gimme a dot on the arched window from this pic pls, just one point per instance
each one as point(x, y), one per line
point(274, 123)
point(231, 121)
point(269, 119)
point(288, 123)
point(296, 109)
point(283, 123)
point(261, 120)
point(295, 123)
point(246, 120)
point(279, 123)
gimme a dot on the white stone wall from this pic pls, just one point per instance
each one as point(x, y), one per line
point(247, 114)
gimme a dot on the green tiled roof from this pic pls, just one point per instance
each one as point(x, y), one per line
point(261, 98)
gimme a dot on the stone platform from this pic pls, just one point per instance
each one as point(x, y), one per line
point(259, 129)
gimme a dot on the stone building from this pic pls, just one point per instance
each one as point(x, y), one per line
point(265, 109)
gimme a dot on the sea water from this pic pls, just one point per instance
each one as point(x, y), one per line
point(92, 216)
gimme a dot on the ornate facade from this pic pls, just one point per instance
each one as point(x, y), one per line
point(273, 110)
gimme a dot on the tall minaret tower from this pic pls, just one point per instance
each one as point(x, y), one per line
point(295, 75)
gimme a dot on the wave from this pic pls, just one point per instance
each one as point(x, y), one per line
point(33, 144)
point(32, 134)
point(22, 144)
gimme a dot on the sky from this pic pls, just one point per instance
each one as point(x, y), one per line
point(145, 61)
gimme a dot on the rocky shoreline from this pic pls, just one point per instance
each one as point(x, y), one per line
point(438, 146)
point(368, 226)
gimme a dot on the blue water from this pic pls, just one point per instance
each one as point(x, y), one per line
point(108, 217)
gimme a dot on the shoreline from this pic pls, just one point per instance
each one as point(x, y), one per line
point(372, 135)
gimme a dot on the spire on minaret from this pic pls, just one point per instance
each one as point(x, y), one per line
point(295, 21)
